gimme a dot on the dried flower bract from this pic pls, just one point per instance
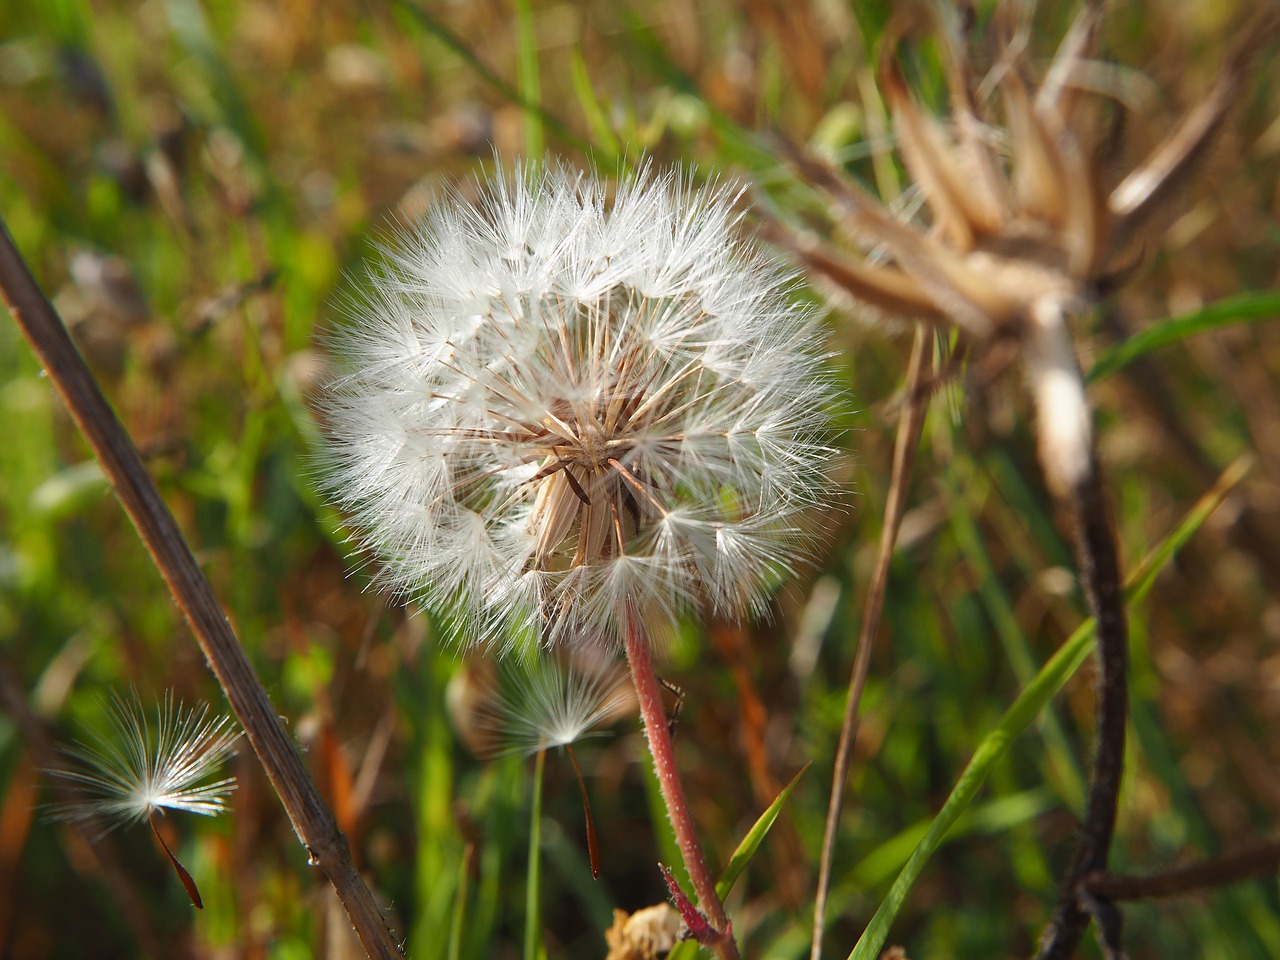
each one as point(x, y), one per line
point(1015, 248)
point(558, 415)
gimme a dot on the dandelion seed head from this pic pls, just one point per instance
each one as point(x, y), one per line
point(140, 766)
point(555, 412)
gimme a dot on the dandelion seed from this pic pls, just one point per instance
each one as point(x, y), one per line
point(137, 769)
point(557, 417)
point(551, 703)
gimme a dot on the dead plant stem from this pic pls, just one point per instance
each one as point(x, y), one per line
point(1099, 565)
point(1188, 878)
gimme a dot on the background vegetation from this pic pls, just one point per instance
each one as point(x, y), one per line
point(192, 182)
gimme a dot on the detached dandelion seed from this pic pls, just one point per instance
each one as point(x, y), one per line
point(558, 418)
point(551, 703)
point(138, 770)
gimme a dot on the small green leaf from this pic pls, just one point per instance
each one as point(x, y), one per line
point(1245, 308)
point(755, 836)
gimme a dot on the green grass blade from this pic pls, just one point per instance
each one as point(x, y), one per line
point(1244, 308)
point(608, 148)
point(437, 29)
point(755, 836)
point(530, 82)
point(1017, 648)
point(738, 144)
point(439, 847)
point(458, 927)
point(533, 888)
point(190, 25)
point(1025, 709)
point(742, 856)
point(1060, 668)
point(1143, 576)
point(997, 815)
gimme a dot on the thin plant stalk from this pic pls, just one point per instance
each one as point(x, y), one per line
point(658, 735)
point(533, 886)
point(312, 820)
point(910, 421)
point(1189, 878)
point(1099, 564)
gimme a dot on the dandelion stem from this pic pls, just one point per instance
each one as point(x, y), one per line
point(533, 885)
point(312, 820)
point(658, 735)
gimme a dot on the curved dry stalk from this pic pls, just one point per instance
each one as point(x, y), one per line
point(910, 421)
point(312, 820)
point(1148, 188)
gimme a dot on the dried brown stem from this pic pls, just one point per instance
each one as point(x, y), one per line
point(312, 820)
point(909, 425)
point(1189, 878)
point(1098, 559)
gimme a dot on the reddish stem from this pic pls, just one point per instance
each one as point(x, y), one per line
point(649, 694)
point(593, 843)
point(188, 883)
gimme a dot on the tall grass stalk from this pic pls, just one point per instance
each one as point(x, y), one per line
point(533, 949)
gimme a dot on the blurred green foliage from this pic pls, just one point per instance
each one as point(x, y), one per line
point(195, 183)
